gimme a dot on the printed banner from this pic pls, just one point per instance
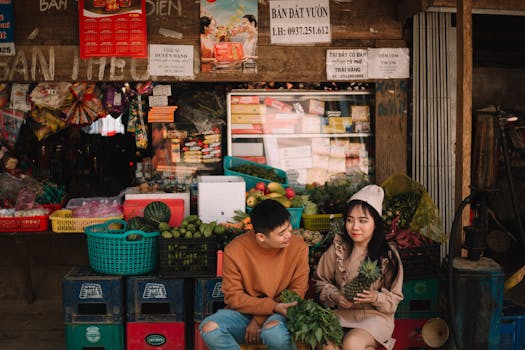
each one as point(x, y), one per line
point(228, 36)
point(113, 28)
point(7, 34)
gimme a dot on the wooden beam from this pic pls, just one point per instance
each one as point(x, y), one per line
point(408, 8)
point(464, 105)
point(498, 5)
point(391, 128)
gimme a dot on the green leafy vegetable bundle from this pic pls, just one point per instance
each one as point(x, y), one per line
point(311, 323)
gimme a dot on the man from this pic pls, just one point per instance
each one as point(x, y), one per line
point(257, 266)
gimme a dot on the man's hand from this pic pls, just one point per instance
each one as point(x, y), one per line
point(253, 332)
point(282, 308)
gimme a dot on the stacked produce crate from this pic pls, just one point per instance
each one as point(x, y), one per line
point(155, 313)
point(93, 310)
point(208, 299)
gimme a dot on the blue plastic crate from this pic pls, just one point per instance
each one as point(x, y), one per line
point(152, 298)
point(92, 297)
point(232, 162)
point(512, 333)
point(208, 297)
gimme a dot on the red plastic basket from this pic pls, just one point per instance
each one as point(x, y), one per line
point(24, 224)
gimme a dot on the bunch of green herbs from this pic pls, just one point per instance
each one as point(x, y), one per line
point(311, 323)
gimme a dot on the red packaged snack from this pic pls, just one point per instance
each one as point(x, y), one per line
point(228, 51)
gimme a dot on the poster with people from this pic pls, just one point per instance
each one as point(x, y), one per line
point(228, 36)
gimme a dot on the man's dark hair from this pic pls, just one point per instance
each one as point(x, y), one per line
point(268, 215)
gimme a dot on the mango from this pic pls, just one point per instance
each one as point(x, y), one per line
point(275, 187)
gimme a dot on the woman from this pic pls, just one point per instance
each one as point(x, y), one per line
point(208, 29)
point(368, 319)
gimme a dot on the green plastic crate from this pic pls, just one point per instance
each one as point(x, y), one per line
point(232, 162)
point(421, 299)
point(81, 336)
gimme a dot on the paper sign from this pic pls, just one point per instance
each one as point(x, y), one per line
point(388, 63)
point(163, 90)
point(7, 35)
point(171, 60)
point(346, 64)
point(158, 100)
point(298, 22)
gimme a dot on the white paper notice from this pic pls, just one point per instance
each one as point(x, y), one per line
point(346, 64)
point(299, 22)
point(171, 60)
point(388, 63)
point(162, 90)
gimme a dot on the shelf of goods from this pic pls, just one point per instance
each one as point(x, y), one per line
point(312, 135)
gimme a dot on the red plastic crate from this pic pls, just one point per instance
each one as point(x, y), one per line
point(198, 342)
point(24, 224)
point(155, 336)
point(135, 207)
point(407, 333)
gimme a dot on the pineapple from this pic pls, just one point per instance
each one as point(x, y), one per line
point(369, 272)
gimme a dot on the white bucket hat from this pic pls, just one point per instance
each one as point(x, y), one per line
point(371, 194)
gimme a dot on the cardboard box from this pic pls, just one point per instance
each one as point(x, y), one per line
point(219, 197)
point(282, 106)
point(185, 196)
point(248, 109)
point(248, 118)
point(251, 149)
point(360, 113)
point(243, 100)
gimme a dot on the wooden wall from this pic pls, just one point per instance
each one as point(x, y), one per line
point(47, 49)
point(46, 39)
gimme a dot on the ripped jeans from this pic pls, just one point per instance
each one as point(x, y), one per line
point(232, 327)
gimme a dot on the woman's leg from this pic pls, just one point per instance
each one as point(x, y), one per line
point(359, 339)
point(224, 330)
point(275, 335)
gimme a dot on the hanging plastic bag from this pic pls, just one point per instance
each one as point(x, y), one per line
point(426, 218)
point(10, 123)
point(45, 122)
point(50, 95)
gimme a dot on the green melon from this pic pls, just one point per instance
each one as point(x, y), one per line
point(157, 211)
point(142, 224)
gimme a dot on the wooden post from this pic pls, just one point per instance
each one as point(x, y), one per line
point(464, 107)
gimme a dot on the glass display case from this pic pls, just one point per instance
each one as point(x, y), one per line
point(312, 135)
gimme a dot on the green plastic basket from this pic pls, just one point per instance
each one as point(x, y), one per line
point(111, 253)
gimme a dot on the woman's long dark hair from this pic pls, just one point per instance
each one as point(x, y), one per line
point(377, 247)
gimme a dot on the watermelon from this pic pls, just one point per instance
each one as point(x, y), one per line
point(142, 224)
point(158, 212)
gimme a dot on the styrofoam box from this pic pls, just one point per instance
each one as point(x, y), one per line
point(219, 197)
point(180, 195)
